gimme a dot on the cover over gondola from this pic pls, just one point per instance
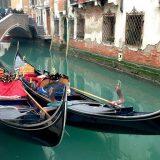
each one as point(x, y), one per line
point(88, 113)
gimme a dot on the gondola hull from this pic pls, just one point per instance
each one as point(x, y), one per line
point(48, 136)
point(135, 123)
point(48, 132)
point(146, 126)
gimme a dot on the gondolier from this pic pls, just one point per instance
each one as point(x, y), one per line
point(120, 101)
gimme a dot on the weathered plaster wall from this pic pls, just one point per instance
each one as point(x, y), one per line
point(147, 54)
point(17, 4)
point(45, 20)
point(93, 25)
point(56, 11)
point(151, 29)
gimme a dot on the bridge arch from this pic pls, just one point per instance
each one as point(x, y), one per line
point(15, 24)
point(17, 30)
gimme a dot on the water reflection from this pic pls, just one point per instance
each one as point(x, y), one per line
point(142, 95)
point(14, 148)
point(3, 47)
point(83, 144)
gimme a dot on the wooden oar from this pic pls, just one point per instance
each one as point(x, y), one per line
point(94, 96)
point(39, 106)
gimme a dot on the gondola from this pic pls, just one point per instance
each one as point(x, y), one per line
point(85, 112)
point(23, 117)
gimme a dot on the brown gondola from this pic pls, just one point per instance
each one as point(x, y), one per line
point(26, 118)
point(85, 112)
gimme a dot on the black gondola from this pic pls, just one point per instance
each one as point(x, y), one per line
point(23, 116)
point(88, 113)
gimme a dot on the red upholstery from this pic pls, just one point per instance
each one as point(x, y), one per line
point(33, 77)
point(30, 75)
point(14, 88)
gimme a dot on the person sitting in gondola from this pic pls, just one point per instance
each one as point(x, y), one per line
point(120, 101)
point(55, 92)
point(52, 92)
point(58, 85)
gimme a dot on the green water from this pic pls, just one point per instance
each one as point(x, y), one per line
point(79, 144)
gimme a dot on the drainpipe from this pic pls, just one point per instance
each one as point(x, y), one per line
point(121, 6)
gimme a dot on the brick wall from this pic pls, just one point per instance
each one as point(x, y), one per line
point(93, 47)
point(81, 1)
point(139, 57)
point(61, 5)
point(51, 4)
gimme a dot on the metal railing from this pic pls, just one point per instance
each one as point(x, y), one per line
point(134, 29)
point(108, 29)
point(80, 28)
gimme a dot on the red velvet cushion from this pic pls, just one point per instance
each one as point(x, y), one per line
point(30, 75)
point(14, 88)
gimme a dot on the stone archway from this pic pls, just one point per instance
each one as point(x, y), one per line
point(15, 24)
point(17, 31)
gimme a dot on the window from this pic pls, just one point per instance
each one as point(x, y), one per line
point(134, 28)
point(56, 27)
point(71, 25)
point(80, 28)
point(108, 29)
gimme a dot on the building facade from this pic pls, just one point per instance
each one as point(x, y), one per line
point(59, 19)
point(17, 4)
point(121, 29)
point(41, 12)
point(20, 5)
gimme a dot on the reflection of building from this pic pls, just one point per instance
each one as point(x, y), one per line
point(3, 46)
point(93, 145)
point(5, 3)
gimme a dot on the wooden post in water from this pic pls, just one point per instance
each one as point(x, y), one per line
point(68, 30)
point(52, 10)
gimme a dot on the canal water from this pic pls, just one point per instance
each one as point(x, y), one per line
point(78, 143)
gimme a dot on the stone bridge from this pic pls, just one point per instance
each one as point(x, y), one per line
point(16, 25)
